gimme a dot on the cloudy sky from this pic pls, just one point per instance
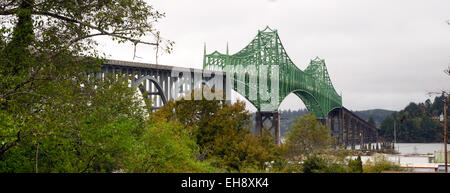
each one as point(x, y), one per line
point(379, 53)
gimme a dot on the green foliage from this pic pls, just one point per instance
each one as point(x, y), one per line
point(80, 133)
point(285, 166)
point(371, 121)
point(288, 118)
point(324, 163)
point(309, 143)
point(222, 132)
point(46, 55)
point(103, 132)
point(165, 147)
point(356, 165)
point(379, 164)
point(314, 164)
point(308, 136)
point(54, 116)
point(417, 123)
point(9, 129)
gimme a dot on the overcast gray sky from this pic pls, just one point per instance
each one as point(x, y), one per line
point(379, 53)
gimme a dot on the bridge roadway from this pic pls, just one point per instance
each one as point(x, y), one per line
point(164, 83)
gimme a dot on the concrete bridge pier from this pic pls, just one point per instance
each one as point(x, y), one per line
point(361, 137)
point(353, 134)
point(346, 129)
point(323, 121)
point(274, 118)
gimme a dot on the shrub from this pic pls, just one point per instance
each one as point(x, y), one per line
point(165, 147)
point(355, 166)
point(379, 164)
point(314, 164)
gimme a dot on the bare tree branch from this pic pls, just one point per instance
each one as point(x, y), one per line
point(7, 12)
point(102, 31)
point(6, 146)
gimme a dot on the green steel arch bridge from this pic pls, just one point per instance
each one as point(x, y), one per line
point(312, 85)
point(261, 72)
point(264, 59)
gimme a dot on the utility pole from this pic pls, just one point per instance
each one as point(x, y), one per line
point(395, 135)
point(445, 131)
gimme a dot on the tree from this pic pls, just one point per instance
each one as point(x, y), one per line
point(124, 20)
point(47, 53)
point(89, 130)
point(222, 131)
point(308, 136)
point(387, 127)
point(428, 104)
point(314, 164)
point(356, 165)
point(54, 115)
point(380, 163)
point(415, 123)
point(371, 121)
point(165, 147)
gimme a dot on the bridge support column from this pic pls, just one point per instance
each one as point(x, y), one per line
point(347, 131)
point(364, 139)
point(341, 127)
point(367, 140)
point(353, 133)
point(258, 123)
point(274, 119)
point(332, 126)
point(276, 127)
point(361, 136)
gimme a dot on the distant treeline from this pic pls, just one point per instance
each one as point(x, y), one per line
point(378, 115)
point(417, 123)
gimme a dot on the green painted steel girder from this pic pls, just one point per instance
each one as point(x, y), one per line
point(312, 85)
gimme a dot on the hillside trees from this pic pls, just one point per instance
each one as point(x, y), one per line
point(417, 123)
point(371, 121)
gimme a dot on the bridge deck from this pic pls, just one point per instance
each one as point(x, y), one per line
point(351, 130)
point(154, 66)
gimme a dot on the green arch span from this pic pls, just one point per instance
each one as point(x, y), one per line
point(312, 85)
point(310, 102)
